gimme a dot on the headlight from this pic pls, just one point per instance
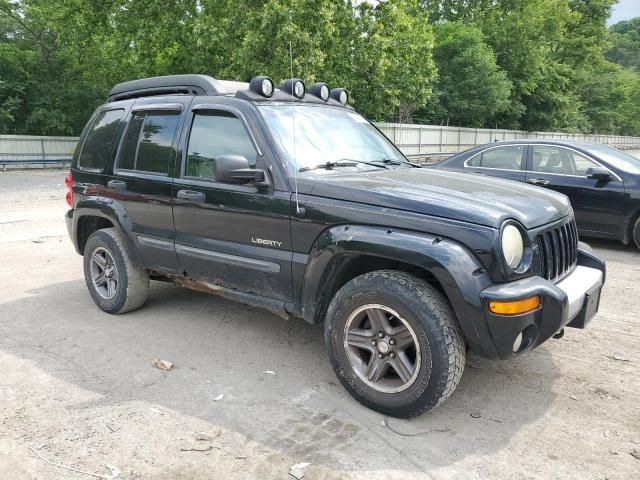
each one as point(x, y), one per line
point(512, 246)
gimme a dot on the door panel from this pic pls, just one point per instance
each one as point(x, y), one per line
point(598, 205)
point(141, 181)
point(235, 236)
point(505, 161)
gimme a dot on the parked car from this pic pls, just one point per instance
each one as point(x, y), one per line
point(603, 183)
point(291, 201)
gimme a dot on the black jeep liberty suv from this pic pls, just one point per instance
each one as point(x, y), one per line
point(288, 199)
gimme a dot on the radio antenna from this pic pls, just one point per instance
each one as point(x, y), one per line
point(293, 133)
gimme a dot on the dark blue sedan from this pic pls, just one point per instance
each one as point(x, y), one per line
point(602, 183)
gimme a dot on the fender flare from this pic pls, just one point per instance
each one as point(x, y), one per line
point(111, 210)
point(458, 271)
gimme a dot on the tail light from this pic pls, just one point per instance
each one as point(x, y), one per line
point(68, 181)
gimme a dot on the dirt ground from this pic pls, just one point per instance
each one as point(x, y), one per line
point(78, 388)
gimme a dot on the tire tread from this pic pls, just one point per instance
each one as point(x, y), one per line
point(137, 278)
point(448, 329)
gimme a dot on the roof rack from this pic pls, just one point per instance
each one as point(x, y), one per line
point(175, 84)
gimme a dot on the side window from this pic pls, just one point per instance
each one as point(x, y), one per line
point(506, 158)
point(148, 143)
point(559, 160)
point(98, 145)
point(475, 161)
point(215, 133)
point(582, 163)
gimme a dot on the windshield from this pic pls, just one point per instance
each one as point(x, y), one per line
point(616, 158)
point(325, 135)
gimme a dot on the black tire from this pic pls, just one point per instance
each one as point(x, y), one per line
point(636, 232)
point(131, 286)
point(439, 342)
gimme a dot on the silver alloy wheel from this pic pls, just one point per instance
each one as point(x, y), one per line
point(382, 348)
point(104, 273)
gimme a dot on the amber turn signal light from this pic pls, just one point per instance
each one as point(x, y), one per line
point(514, 307)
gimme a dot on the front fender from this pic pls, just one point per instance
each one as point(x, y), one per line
point(108, 209)
point(459, 272)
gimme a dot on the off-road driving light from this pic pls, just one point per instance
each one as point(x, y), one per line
point(514, 307)
point(339, 95)
point(294, 86)
point(512, 245)
point(262, 86)
point(320, 90)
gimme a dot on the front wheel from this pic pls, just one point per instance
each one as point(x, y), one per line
point(394, 343)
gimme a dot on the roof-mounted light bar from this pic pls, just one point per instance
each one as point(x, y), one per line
point(262, 86)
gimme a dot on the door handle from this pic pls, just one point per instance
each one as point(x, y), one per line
point(191, 196)
point(117, 184)
point(538, 181)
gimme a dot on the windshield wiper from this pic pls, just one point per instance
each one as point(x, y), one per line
point(344, 162)
point(391, 161)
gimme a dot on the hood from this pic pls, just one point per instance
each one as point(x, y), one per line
point(466, 197)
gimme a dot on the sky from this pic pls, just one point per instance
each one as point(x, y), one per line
point(624, 10)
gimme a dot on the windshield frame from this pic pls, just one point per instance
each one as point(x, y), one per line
point(293, 167)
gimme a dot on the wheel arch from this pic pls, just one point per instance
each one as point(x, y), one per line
point(96, 213)
point(88, 224)
point(342, 253)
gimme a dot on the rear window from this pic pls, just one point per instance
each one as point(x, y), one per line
point(98, 145)
point(148, 143)
point(504, 158)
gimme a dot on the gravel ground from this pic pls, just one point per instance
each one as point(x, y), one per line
point(79, 389)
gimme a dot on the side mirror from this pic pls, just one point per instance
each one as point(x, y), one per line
point(235, 169)
point(599, 173)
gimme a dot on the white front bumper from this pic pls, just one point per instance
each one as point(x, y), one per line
point(577, 284)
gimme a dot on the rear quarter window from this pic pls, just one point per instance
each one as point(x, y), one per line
point(98, 145)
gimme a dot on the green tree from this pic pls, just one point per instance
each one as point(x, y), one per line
point(604, 95)
point(59, 58)
point(624, 38)
point(471, 88)
point(393, 66)
point(553, 104)
point(631, 106)
point(32, 99)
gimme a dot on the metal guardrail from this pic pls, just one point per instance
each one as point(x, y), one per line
point(418, 142)
point(429, 158)
point(25, 150)
point(414, 139)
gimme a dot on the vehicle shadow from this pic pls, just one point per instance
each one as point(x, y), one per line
point(278, 388)
point(612, 250)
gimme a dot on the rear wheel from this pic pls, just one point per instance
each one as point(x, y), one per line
point(394, 343)
point(636, 232)
point(115, 282)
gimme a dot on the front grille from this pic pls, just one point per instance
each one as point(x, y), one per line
point(557, 251)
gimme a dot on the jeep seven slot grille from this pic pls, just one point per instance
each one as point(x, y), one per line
point(557, 251)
